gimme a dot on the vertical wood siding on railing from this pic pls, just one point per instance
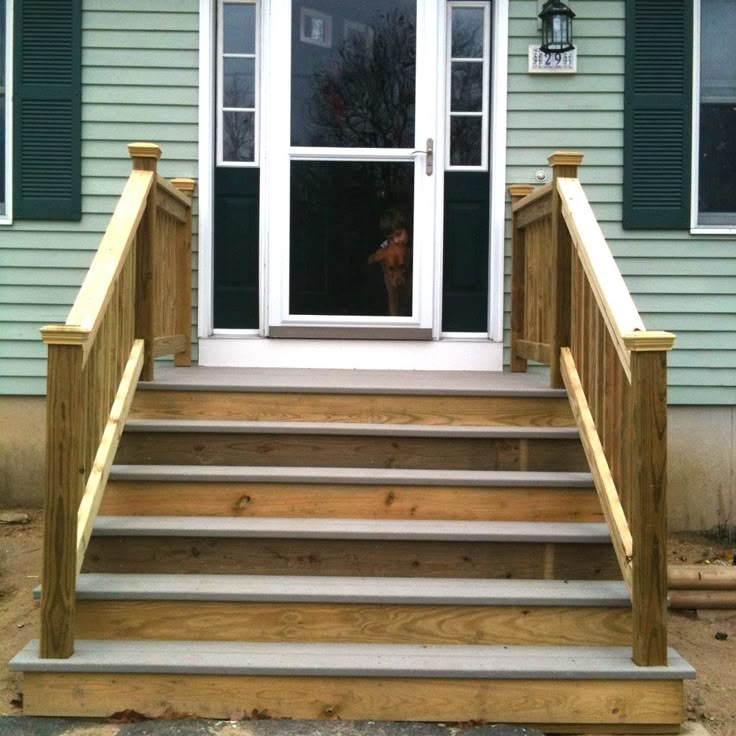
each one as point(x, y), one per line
point(95, 360)
point(615, 374)
point(531, 322)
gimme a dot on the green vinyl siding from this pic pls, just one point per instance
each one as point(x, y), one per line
point(139, 82)
point(680, 282)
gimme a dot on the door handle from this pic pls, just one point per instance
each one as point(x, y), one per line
point(429, 156)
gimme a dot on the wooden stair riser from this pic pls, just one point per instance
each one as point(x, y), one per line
point(280, 556)
point(437, 410)
point(352, 622)
point(443, 453)
point(556, 706)
point(337, 501)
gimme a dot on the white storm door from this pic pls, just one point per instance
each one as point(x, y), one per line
point(350, 164)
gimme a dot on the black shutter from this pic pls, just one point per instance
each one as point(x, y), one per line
point(658, 113)
point(47, 109)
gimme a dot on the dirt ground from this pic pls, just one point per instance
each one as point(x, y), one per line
point(697, 635)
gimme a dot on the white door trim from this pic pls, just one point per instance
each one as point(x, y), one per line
point(497, 167)
point(205, 193)
point(213, 350)
point(279, 154)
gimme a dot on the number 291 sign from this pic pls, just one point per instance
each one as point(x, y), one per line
point(552, 63)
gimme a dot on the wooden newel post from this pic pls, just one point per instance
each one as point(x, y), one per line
point(647, 433)
point(65, 480)
point(184, 278)
point(564, 164)
point(145, 157)
point(518, 277)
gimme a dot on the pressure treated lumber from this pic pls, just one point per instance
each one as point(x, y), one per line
point(518, 278)
point(96, 483)
point(351, 622)
point(370, 610)
point(361, 408)
point(701, 577)
point(647, 438)
point(702, 599)
point(145, 157)
point(65, 477)
point(612, 296)
point(125, 554)
point(183, 269)
point(97, 289)
point(273, 448)
point(382, 500)
point(563, 164)
point(607, 493)
point(653, 704)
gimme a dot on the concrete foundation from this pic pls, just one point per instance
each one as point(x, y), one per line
point(22, 450)
point(702, 467)
point(702, 461)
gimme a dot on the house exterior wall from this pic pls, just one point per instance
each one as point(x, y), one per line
point(140, 83)
point(682, 283)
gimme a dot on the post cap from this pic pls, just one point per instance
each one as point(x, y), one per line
point(520, 190)
point(565, 158)
point(144, 150)
point(64, 335)
point(187, 186)
point(648, 341)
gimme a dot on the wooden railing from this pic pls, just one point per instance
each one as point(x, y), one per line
point(571, 310)
point(134, 305)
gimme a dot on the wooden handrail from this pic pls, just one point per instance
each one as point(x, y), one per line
point(617, 306)
point(128, 311)
point(570, 309)
point(88, 309)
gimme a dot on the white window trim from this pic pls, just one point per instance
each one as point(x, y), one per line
point(220, 66)
point(7, 218)
point(697, 228)
point(486, 61)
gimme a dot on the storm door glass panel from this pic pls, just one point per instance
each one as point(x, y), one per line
point(353, 73)
point(351, 238)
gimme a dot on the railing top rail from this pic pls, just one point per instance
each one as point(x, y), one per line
point(530, 199)
point(613, 297)
point(88, 309)
point(173, 192)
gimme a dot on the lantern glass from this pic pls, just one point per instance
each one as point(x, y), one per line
point(556, 27)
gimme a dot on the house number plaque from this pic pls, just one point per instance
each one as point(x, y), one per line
point(554, 63)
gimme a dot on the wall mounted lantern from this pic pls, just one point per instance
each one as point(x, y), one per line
point(556, 27)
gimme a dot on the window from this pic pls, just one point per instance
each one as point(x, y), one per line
point(5, 137)
point(467, 104)
point(237, 83)
point(716, 112)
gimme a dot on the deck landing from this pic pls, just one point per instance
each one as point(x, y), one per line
point(469, 383)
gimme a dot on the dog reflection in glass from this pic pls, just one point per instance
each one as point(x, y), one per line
point(394, 256)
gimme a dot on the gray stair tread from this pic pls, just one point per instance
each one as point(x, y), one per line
point(295, 380)
point(352, 660)
point(353, 476)
point(316, 528)
point(317, 589)
point(345, 428)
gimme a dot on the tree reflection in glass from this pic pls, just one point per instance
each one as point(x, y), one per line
point(361, 92)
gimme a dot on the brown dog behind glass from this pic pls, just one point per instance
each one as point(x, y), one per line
point(394, 256)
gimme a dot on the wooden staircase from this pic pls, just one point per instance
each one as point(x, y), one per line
point(347, 552)
point(357, 545)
